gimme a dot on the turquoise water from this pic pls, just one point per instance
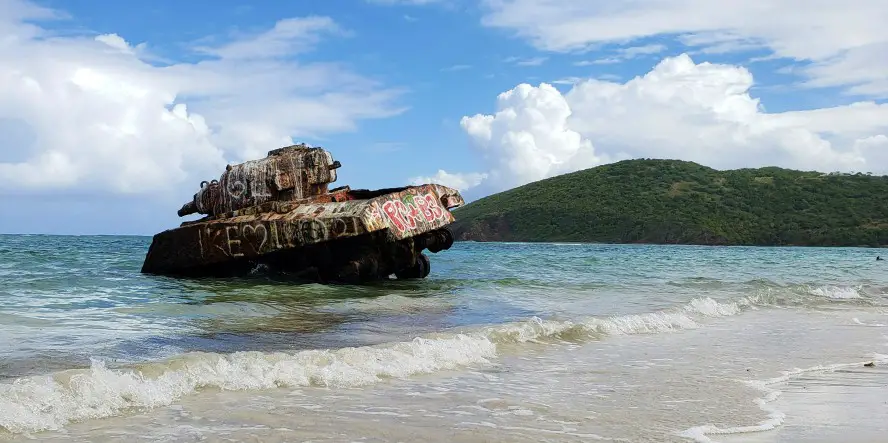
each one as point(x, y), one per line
point(78, 323)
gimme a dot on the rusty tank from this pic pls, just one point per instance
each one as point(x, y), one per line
point(277, 214)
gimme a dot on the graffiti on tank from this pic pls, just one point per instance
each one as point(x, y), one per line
point(375, 213)
point(408, 213)
point(236, 189)
point(233, 240)
point(338, 227)
point(404, 213)
point(312, 231)
point(289, 235)
point(257, 235)
point(394, 216)
point(259, 189)
point(254, 235)
point(430, 208)
point(258, 238)
point(238, 240)
point(292, 233)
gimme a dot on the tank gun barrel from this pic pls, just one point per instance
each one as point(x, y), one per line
point(187, 209)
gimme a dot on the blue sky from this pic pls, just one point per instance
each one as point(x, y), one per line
point(734, 87)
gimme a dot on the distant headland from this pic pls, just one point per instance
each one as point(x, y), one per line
point(681, 202)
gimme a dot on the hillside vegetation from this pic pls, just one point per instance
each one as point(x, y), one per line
point(671, 201)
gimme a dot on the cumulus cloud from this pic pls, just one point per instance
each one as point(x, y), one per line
point(704, 112)
point(846, 43)
point(528, 138)
point(680, 109)
point(458, 181)
point(94, 114)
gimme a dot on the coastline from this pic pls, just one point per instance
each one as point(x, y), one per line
point(732, 245)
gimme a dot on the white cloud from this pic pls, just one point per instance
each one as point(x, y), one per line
point(623, 54)
point(460, 182)
point(704, 112)
point(568, 80)
point(531, 61)
point(288, 37)
point(874, 149)
point(699, 112)
point(846, 41)
point(599, 61)
point(91, 114)
point(528, 138)
point(635, 51)
point(455, 68)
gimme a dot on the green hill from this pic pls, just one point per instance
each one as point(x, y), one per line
point(670, 201)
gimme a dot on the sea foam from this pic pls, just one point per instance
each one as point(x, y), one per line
point(51, 401)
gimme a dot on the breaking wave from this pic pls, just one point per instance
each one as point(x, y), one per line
point(837, 292)
point(48, 402)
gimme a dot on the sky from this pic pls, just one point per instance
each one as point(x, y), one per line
point(112, 113)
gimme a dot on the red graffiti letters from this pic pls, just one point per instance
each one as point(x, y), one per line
point(408, 213)
point(437, 210)
point(423, 206)
point(429, 207)
point(405, 213)
point(393, 215)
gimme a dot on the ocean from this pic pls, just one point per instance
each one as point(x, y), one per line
point(501, 343)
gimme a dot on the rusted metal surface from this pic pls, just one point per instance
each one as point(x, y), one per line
point(289, 173)
point(280, 206)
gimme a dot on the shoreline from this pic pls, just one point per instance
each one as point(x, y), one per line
point(787, 401)
point(841, 402)
point(578, 242)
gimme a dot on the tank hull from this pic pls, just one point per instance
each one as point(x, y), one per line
point(343, 235)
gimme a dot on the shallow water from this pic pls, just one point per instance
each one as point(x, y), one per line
point(503, 342)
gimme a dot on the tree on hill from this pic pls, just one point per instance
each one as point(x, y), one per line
point(673, 201)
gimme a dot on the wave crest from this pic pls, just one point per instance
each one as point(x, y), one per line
point(50, 402)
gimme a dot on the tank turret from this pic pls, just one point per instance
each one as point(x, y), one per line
point(285, 174)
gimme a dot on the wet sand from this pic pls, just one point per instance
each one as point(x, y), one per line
point(848, 405)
